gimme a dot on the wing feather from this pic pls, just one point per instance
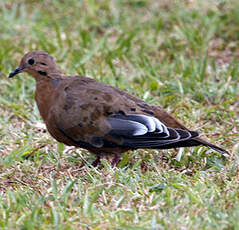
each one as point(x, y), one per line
point(141, 131)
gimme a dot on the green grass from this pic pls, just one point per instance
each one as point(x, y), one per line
point(182, 55)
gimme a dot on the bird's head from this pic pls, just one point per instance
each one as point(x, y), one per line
point(38, 63)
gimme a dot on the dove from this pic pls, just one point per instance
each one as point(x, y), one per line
point(82, 112)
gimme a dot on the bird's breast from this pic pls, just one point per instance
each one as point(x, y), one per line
point(45, 96)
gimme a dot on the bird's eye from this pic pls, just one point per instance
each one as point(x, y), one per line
point(31, 61)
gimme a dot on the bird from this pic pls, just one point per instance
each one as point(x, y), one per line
point(105, 120)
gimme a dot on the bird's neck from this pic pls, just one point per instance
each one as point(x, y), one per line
point(45, 95)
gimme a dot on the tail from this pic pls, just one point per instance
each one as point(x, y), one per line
point(214, 147)
point(195, 142)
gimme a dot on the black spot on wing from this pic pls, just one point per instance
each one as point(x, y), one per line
point(148, 111)
point(121, 112)
point(42, 73)
point(142, 105)
point(109, 113)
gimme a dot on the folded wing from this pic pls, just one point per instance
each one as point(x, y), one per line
point(141, 131)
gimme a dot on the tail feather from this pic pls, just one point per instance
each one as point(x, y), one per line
point(196, 142)
point(214, 147)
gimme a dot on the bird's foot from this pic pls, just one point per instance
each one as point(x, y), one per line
point(96, 162)
point(115, 160)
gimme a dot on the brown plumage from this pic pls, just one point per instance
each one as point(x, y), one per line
point(82, 112)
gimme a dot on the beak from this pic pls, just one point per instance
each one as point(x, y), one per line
point(15, 72)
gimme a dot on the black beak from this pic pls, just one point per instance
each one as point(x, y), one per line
point(15, 72)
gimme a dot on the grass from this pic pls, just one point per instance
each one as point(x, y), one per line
point(182, 55)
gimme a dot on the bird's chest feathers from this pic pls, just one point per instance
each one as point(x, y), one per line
point(44, 95)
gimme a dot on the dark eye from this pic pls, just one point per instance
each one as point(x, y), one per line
point(31, 61)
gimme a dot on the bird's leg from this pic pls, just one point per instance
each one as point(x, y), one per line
point(115, 160)
point(96, 162)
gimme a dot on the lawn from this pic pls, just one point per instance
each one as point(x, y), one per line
point(182, 55)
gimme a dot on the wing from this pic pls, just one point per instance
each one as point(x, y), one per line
point(128, 131)
point(141, 131)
